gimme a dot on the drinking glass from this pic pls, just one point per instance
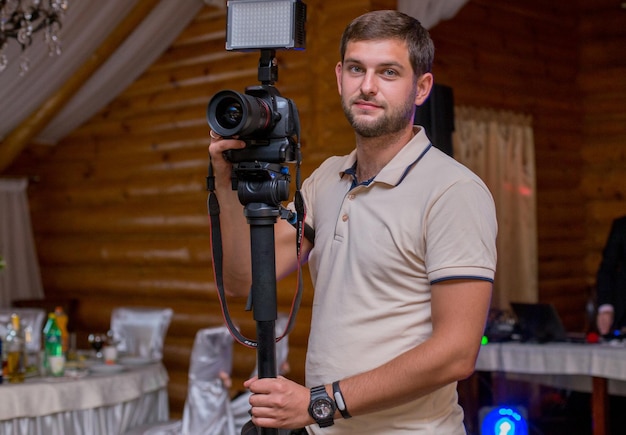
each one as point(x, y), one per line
point(97, 341)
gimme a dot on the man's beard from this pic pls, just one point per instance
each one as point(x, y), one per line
point(391, 122)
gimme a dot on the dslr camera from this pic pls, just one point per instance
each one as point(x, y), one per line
point(267, 122)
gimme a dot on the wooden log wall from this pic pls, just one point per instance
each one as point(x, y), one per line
point(602, 83)
point(119, 211)
point(524, 56)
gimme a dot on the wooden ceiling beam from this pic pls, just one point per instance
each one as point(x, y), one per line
point(20, 137)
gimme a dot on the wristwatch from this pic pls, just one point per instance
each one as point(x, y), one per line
point(322, 407)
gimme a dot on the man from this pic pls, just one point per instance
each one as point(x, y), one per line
point(402, 262)
point(611, 281)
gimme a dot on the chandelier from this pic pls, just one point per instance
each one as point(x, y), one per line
point(21, 19)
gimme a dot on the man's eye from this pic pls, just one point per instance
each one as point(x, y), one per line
point(355, 69)
point(389, 73)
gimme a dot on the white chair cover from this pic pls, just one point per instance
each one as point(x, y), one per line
point(31, 322)
point(207, 408)
point(173, 427)
point(140, 331)
point(240, 405)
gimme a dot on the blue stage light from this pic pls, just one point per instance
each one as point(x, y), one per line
point(503, 420)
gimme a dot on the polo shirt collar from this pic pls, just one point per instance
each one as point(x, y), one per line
point(394, 172)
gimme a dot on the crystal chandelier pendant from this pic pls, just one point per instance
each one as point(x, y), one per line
point(21, 19)
point(24, 65)
point(25, 33)
point(52, 38)
point(4, 61)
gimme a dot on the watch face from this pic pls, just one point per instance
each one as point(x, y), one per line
point(322, 408)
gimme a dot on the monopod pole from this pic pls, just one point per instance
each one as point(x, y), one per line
point(262, 218)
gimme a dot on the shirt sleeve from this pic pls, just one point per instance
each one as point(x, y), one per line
point(460, 233)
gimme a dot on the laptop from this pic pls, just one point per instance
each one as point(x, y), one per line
point(538, 323)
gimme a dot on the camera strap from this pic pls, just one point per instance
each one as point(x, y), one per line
point(217, 258)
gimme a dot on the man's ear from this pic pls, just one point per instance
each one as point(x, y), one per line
point(338, 70)
point(424, 85)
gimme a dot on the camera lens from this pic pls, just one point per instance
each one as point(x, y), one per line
point(230, 113)
point(229, 116)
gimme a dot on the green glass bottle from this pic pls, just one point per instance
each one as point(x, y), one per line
point(55, 359)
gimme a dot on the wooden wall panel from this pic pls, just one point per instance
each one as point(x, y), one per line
point(524, 57)
point(119, 209)
point(602, 82)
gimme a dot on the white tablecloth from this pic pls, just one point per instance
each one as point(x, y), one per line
point(106, 404)
point(564, 365)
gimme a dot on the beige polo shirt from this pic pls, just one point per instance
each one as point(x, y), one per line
point(378, 248)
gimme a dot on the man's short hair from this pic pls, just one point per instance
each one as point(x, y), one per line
point(378, 25)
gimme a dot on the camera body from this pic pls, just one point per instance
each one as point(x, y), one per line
point(267, 122)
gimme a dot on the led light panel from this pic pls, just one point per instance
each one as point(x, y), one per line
point(257, 24)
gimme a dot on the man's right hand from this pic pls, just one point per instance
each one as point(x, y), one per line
point(222, 167)
point(604, 321)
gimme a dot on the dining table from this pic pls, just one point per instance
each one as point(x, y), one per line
point(599, 369)
point(93, 399)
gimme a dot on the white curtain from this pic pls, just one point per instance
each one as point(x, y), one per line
point(86, 26)
point(499, 147)
point(20, 279)
point(430, 12)
point(135, 55)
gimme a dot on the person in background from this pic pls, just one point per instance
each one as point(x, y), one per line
point(402, 262)
point(611, 281)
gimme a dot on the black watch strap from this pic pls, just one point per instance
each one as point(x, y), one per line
point(322, 407)
point(339, 401)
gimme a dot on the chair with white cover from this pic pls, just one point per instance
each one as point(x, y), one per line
point(207, 407)
point(140, 331)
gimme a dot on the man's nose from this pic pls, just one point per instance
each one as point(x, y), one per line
point(369, 84)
